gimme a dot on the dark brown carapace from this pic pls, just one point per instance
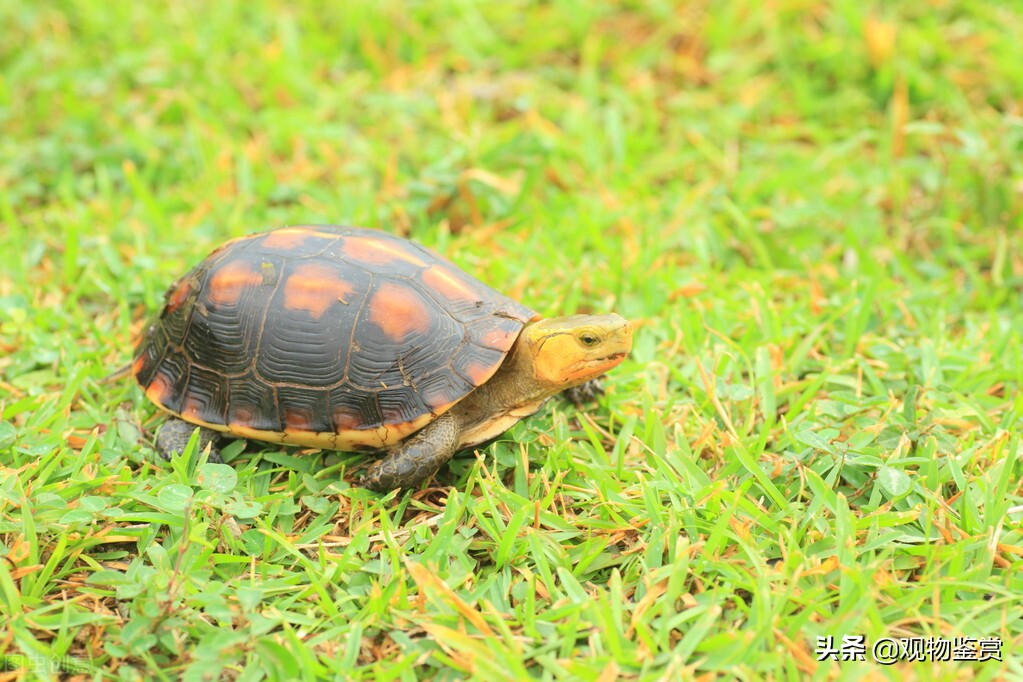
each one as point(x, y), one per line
point(343, 338)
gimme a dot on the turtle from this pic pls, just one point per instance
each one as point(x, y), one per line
point(355, 339)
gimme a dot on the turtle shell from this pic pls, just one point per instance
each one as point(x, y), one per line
point(343, 338)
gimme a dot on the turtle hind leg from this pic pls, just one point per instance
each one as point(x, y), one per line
point(175, 433)
point(415, 460)
point(585, 392)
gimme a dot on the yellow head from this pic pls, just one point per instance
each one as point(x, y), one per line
point(567, 351)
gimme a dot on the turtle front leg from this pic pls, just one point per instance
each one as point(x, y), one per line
point(585, 392)
point(415, 460)
point(175, 433)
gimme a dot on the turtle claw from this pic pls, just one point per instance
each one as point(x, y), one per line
point(390, 473)
point(586, 392)
point(415, 460)
point(174, 435)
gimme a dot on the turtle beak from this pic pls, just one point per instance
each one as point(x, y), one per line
point(567, 351)
point(608, 354)
point(616, 347)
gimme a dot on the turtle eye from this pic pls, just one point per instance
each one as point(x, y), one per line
point(589, 339)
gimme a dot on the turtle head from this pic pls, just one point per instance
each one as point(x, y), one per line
point(567, 351)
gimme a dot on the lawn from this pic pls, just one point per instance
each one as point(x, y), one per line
point(812, 212)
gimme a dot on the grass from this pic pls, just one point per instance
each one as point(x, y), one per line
point(811, 210)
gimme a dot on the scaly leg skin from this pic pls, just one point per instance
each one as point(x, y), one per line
point(415, 460)
point(175, 433)
point(586, 392)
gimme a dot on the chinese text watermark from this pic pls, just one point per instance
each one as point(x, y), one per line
point(890, 650)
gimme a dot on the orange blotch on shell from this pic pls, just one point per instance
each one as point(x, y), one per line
point(138, 365)
point(193, 407)
point(314, 288)
point(499, 339)
point(378, 251)
point(158, 389)
point(179, 295)
point(478, 373)
point(345, 420)
point(242, 416)
point(297, 420)
point(398, 311)
point(448, 283)
point(287, 238)
point(292, 237)
point(229, 282)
